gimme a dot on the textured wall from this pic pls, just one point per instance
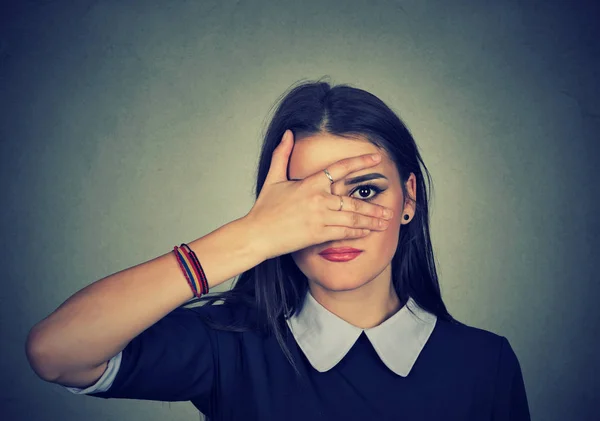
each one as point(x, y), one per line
point(107, 107)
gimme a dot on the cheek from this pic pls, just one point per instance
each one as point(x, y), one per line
point(385, 242)
point(302, 257)
point(392, 233)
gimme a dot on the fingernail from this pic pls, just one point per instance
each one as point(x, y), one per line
point(376, 157)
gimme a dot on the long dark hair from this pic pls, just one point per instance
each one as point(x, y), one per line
point(276, 288)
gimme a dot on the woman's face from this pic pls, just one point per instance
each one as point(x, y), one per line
point(314, 153)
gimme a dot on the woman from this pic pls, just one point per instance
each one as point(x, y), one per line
point(325, 321)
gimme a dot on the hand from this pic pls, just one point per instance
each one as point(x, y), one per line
point(292, 215)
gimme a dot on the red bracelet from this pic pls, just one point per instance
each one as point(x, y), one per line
point(191, 266)
point(192, 270)
point(199, 269)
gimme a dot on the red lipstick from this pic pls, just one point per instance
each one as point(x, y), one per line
point(340, 254)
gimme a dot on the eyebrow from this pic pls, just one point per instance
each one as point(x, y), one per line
point(356, 180)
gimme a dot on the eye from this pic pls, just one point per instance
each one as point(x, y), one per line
point(363, 192)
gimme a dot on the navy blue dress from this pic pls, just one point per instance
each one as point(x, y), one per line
point(461, 373)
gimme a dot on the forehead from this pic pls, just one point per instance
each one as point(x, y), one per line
point(316, 152)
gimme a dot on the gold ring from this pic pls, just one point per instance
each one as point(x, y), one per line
point(341, 203)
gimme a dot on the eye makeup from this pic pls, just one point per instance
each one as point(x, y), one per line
point(364, 177)
point(371, 187)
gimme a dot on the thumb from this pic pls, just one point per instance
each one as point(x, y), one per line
point(280, 159)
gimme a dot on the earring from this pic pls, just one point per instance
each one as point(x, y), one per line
point(406, 217)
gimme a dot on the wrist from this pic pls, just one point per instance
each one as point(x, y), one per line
point(254, 238)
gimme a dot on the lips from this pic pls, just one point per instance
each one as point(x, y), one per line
point(340, 250)
point(340, 254)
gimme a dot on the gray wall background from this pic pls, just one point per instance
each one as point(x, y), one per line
point(108, 106)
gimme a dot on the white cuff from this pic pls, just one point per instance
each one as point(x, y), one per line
point(104, 382)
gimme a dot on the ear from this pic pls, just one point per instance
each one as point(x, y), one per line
point(410, 201)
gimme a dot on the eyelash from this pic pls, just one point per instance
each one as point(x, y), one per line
point(376, 189)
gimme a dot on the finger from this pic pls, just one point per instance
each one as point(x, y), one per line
point(342, 168)
point(356, 205)
point(339, 233)
point(280, 158)
point(355, 220)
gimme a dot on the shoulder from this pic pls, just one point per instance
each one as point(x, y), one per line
point(464, 335)
point(474, 346)
point(485, 362)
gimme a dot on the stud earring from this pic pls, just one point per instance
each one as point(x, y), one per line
point(406, 217)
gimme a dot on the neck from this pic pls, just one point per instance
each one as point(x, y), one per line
point(364, 307)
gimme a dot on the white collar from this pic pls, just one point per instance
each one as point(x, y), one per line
point(325, 338)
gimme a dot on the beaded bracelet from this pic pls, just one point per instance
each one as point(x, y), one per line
point(191, 268)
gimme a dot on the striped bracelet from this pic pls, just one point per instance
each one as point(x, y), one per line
point(192, 269)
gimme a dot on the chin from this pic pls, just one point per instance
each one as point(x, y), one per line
point(338, 282)
point(339, 287)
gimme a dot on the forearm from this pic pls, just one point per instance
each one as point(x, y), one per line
point(98, 321)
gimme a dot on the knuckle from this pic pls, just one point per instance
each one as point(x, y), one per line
point(373, 223)
point(355, 219)
point(345, 164)
point(316, 201)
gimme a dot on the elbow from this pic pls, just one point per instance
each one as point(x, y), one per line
point(37, 357)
